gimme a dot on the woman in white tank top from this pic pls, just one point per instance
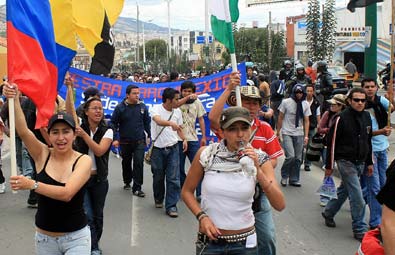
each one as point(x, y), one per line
point(226, 219)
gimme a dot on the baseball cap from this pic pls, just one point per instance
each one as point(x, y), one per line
point(233, 114)
point(61, 117)
point(338, 99)
point(92, 91)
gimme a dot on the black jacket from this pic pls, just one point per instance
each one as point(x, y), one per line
point(351, 137)
point(81, 146)
point(313, 117)
point(324, 84)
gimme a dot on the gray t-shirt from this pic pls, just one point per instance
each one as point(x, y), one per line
point(288, 107)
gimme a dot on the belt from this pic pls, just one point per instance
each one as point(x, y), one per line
point(141, 141)
point(167, 148)
point(226, 238)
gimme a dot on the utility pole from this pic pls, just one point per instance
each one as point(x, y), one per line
point(138, 35)
point(269, 40)
point(206, 41)
point(169, 34)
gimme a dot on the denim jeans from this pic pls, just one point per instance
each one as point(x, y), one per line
point(193, 147)
point(237, 248)
point(374, 184)
point(306, 161)
point(293, 149)
point(165, 164)
point(73, 243)
point(265, 229)
point(133, 151)
point(349, 188)
point(23, 158)
point(95, 197)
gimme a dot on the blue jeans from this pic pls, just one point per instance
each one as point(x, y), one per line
point(374, 184)
point(349, 188)
point(133, 152)
point(238, 248)
point(95, 197)
point(293, 149)
point(265, 229)
point(73, 243)
point(23, 158)
point(165, 164)
point(193, 147)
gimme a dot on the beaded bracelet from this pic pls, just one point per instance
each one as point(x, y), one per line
point(199, 214)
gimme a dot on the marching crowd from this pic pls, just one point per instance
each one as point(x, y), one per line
point(66, 165)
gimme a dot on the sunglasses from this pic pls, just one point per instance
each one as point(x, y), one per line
point(357, 100)
point(298, 92)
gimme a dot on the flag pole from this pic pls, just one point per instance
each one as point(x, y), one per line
point(11, 112)
point(391, 81)
point(234, 69)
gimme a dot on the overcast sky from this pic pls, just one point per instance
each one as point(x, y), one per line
point(189, 14)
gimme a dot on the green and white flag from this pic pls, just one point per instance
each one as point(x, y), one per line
point(223, 13)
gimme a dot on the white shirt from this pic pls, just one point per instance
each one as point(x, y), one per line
point(168, 137)
point(109, 134)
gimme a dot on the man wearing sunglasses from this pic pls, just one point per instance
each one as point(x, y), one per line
point(349, 143)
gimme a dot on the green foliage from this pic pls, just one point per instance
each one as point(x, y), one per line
point(328, 30)
point(320, 32)
point(156, 50)
point(252, 45)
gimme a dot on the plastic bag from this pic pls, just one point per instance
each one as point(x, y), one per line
point(328, 188)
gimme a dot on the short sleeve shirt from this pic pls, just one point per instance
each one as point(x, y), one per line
point(190, 112)
point(288, 108)
point(168, 137)
point(265, 139)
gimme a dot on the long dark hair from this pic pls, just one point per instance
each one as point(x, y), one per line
point(86, 108)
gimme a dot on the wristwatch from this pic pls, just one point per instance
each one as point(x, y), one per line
point(35, 185)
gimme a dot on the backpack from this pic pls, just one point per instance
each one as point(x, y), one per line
point(277, 89)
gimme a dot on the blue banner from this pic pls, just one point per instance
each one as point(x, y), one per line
point(208, 88)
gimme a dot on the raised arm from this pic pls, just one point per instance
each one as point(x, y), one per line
point(34, 146)
point(215, 112)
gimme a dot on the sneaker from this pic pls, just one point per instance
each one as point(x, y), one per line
point(359, 236)
point(139, 193)
point(96, 252)
point(158, 204)
point(329, 222)
point(295, 184)
point(307, 168)
point(127, 187)
point(283, 182)
point(172, 212)
point(2, 188)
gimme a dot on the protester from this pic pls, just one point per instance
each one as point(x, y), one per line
point(293, 125)
point(277, 93)
point(192, 109)
point(377, 106)
point(61, 174)
point(350, 144)
point(132, 114)
point(165, 130)
point(226, 221)
point(264, 139)
point(88, 93)
point(386, 198)
point(351, 67)
point(314, 119)
point(337, 104)
point(94, 139)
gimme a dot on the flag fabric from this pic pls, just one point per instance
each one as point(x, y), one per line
point(41, 40)
point(360, 3)
point(32, 55)
point(223, 13)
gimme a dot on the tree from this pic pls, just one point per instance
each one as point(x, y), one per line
point(252, 45)
point(314, 47)
point(156, 50)
point(328, 30)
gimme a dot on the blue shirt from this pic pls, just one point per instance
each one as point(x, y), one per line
point(379, 142)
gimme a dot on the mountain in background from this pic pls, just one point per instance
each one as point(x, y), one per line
point(123, 25)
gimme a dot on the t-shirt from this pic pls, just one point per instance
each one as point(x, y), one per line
point(109, 134)
point(189, 114)
point(265, 139)
point(288, 108)
point(168, 137)
point(379, 142)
